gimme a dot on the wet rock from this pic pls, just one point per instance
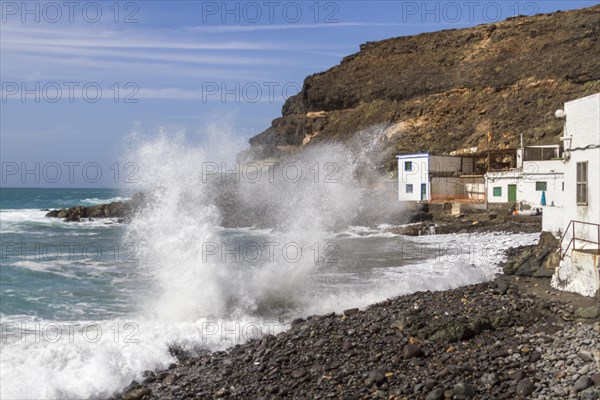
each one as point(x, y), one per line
point(137, 393)
point(436, 394)
point(461, 329)
point(272, 389)
point(298, 373)
point(590, 394)
point(586, 356)
point(351, 311)
point(118, 209)
point(535, 357)
point(517, 375)
point(489, 379)
point(376, 377)
point(591, 313)
point(525, 387)
point(170, 379)
point(583, 383)
point(411, 351)
point(464, 389)
point(502, 283)
point(347, 346)
point(221, 393)
point(559, 391)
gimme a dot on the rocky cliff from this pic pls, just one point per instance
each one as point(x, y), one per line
point(447, 90)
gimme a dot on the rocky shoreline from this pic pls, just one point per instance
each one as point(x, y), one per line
point(414, 221)
point(444, 218)
point(122, 210)
point(513, 338)
point(507, 339)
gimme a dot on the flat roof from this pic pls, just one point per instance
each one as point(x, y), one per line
point(545, 146)
point(413, 155)
point(586, 98)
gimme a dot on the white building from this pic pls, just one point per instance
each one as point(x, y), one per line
point(425, 177)
point(539, 172)
point(523, 175)
point(578, 221)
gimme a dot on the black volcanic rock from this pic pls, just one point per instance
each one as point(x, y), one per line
point(537, 260)
point(116, 209)
point(495, 360)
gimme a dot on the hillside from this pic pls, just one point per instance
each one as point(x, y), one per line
point(447, 90)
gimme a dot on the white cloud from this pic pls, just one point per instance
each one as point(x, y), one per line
point(290, 26)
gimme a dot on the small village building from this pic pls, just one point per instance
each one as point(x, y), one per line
point(577, 220)
point(530, 176)
point(564, 181)
point(427, 177)
point(537, 178)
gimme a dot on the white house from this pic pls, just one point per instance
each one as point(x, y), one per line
point(577, 221)
point(539, 172)
point(522, 175)
point(426, 177)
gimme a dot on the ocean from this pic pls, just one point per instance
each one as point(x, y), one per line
point(87, 307)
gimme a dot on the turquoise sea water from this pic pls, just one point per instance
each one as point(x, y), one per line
point(30, 198)
point(59, 271)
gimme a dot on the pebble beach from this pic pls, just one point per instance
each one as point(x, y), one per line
point(488, 341)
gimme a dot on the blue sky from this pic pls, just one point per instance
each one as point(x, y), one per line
point(78, 77)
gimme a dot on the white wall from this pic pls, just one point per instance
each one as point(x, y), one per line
point(416, 177)
point(552, 220)
point(580, 271)
point(526, 179)
point(526, 187)
point(543, 167)
point(501, 179)
point(583, 125)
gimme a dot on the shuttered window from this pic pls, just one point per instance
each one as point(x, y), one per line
point(582, 183)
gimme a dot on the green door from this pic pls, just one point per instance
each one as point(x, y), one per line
point(423, 191)
point(512, 193)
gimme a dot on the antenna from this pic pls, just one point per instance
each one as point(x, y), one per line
point(560, 114)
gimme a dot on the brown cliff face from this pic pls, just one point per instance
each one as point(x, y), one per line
point(448, 90)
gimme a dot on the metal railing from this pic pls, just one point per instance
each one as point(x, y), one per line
point(574, 237)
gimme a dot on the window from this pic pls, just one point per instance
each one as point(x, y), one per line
point(409, 188)
point(408, 165)
point(498, 191)
point(563, 186)
point(541, 186)
point(582, 175)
